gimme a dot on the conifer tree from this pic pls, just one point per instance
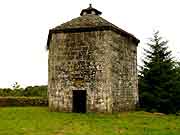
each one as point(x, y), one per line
point(157, 82)
point(177, 92)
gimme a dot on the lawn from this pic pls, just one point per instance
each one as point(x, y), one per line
point(39, 121)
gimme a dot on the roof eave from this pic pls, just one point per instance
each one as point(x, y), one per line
point(49, 39)
point(87, 29)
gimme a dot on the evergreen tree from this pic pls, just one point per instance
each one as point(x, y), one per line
point(157, 82)
point(177, 92)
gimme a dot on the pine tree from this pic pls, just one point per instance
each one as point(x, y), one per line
point(177, 92)
point(157, 77)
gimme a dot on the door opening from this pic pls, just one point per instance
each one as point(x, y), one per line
point(79, 101)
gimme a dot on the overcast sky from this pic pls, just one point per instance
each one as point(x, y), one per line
point(24, 26)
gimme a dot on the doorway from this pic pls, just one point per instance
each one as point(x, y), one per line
point(79, 101)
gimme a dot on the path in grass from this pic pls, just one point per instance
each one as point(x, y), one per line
point(39, 121)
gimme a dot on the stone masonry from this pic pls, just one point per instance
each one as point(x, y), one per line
point(90, 54)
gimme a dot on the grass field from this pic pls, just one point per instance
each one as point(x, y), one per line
point(39, 121)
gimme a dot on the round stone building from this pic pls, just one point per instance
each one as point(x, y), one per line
point(92, 66)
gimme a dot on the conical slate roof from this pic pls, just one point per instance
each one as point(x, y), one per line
point(89, 21)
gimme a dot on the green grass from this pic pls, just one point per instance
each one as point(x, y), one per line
point(39, 121)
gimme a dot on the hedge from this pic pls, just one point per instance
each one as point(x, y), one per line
point(23, 101)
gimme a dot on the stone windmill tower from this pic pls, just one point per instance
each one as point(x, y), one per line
point(92, 66)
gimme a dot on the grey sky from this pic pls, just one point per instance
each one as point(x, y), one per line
point(24, 26)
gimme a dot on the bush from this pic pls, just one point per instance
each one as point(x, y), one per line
point(39, 91)
point(5, 92)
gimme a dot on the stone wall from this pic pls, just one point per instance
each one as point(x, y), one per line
point(101, 62)
point(80, 61)
point(124, 72)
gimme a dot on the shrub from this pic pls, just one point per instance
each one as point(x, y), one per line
point(38, 91)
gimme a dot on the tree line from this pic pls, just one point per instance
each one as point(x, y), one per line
point(30, 91)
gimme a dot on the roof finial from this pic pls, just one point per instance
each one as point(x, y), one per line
point(90, 11)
